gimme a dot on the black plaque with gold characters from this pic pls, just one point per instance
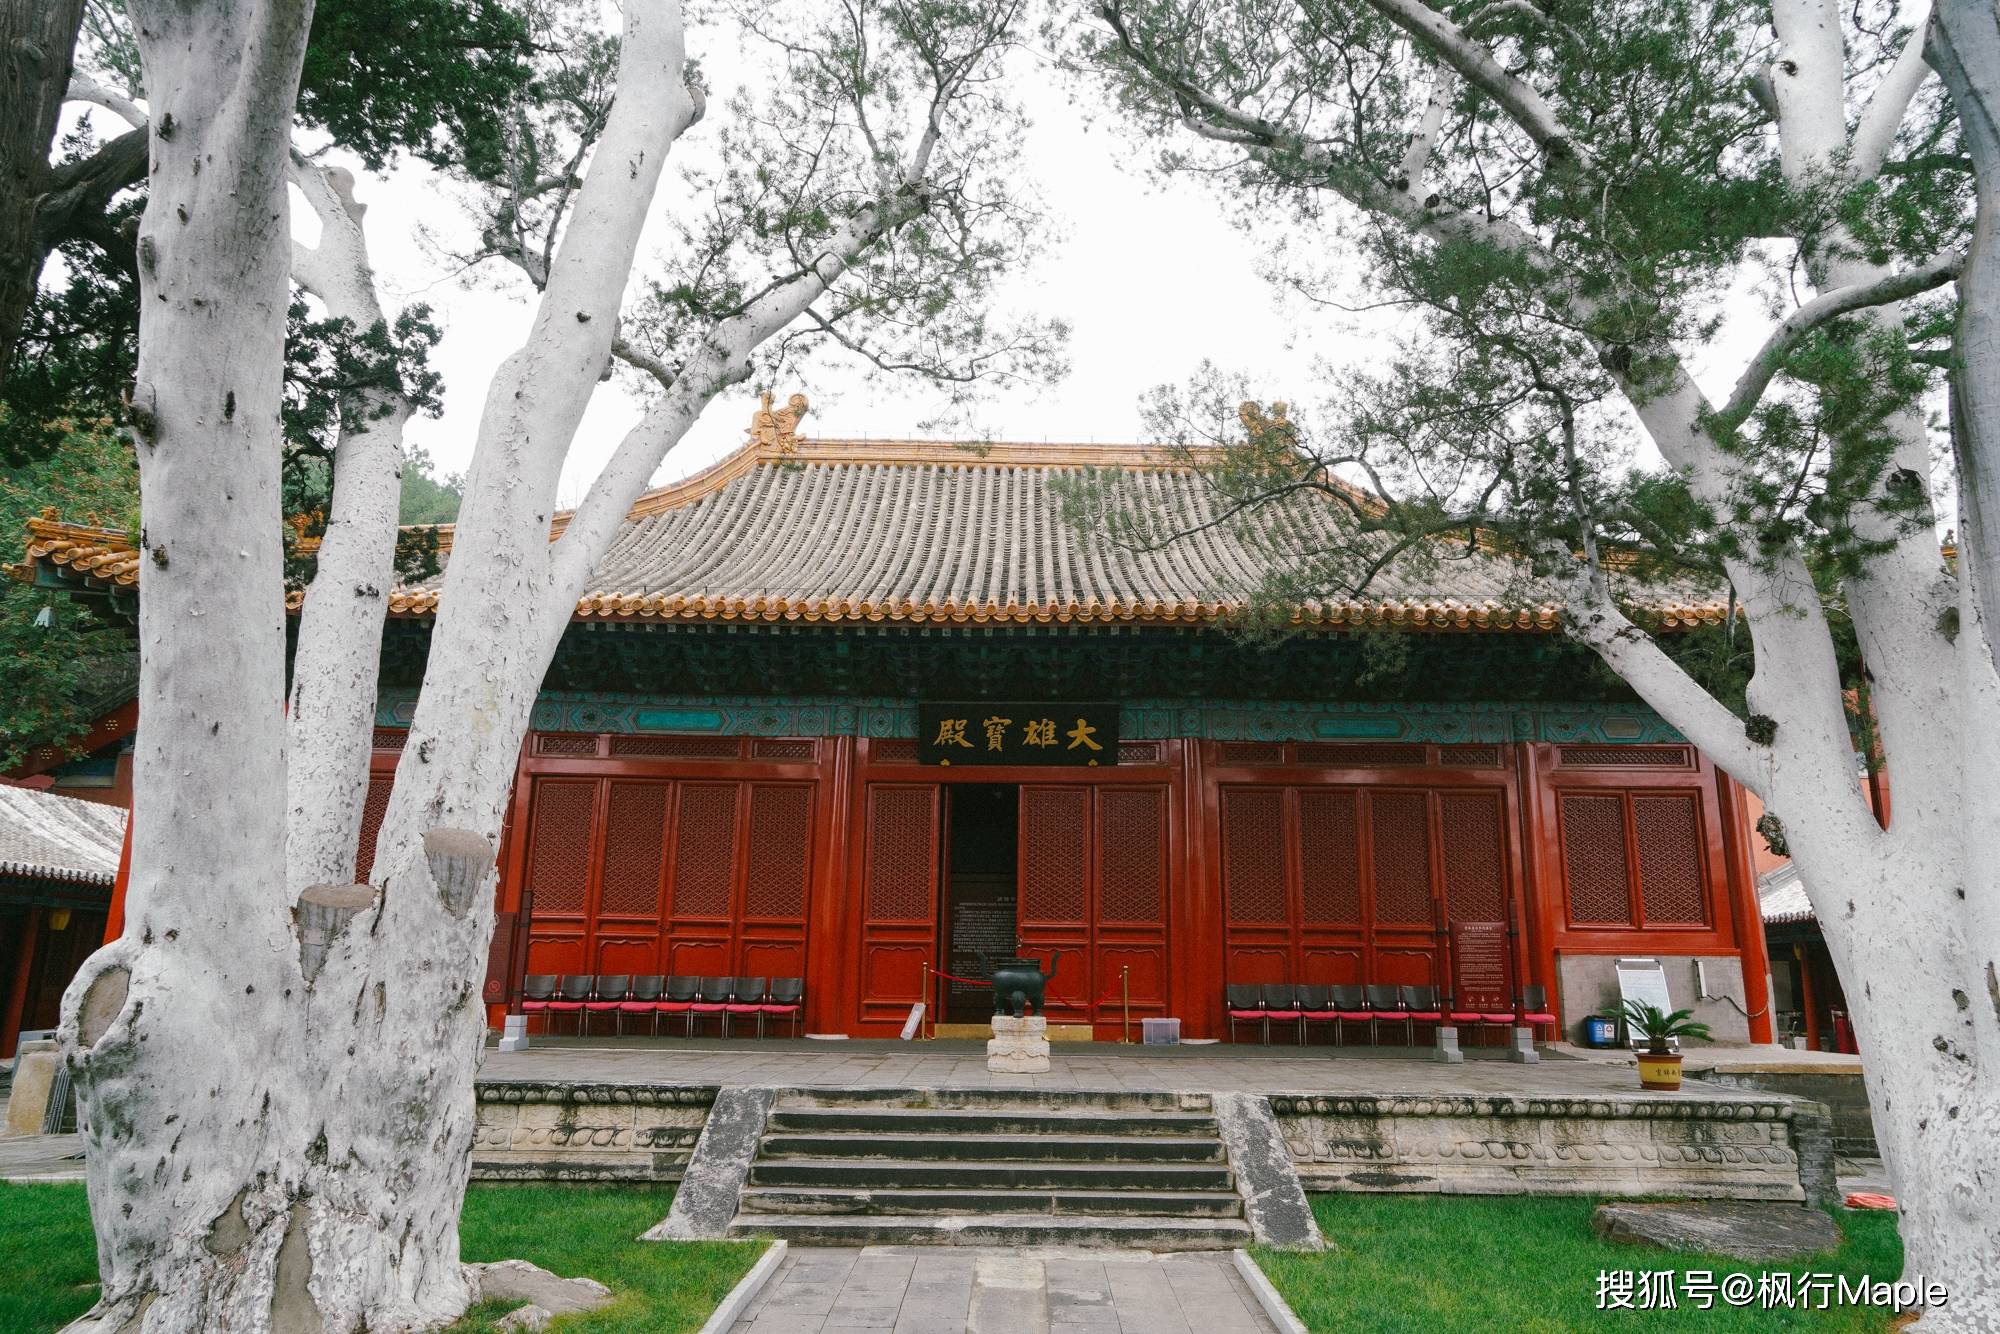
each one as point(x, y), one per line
point(1014, 732)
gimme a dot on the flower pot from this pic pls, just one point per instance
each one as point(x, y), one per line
point(1660, 1071)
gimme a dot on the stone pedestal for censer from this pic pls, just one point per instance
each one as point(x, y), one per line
point(1019, 1046)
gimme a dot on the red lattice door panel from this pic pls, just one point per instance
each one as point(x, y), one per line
point(373, 807)
point(1474, 854)
point(667, 875)
point(899, 908)
point(1333, 883)
point(1636, 857)
point(1093, 894)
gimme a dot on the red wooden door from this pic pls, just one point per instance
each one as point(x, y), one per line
point(696, 877)
point(1092, 876)
point(1339, 883)
point(899, 907)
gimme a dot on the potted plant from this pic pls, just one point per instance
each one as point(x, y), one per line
point(1660, 1068)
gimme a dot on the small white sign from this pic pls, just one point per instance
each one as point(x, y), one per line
point(1643, 980)
point(914, 1022)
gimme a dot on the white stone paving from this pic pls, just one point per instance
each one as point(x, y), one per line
point(966, 1290)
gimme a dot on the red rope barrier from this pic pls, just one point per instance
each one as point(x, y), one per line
point(969, 981)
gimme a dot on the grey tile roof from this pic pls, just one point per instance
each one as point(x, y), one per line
point(1781, 895)
point(915, 532)
point(44, 836)
point(845, 531)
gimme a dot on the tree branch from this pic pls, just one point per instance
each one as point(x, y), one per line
point(1821, 310)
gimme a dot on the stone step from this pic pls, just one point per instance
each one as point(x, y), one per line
point(889, 1098)
point(989, 1121)
point(861, 1201)
point(871, 1173)
point(997, 1148)
point(1157, 1234)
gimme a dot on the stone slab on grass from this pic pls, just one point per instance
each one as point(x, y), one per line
point(546, 1295)
point(1743, 1229)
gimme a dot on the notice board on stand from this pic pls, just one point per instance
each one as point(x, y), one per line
point(1645, 981)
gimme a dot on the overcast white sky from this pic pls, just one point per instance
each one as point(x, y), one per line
point(1151, 275)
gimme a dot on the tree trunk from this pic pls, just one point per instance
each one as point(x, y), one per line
point(37, 42)
point(338, 657)
point(184, 1035)
point(1964, 47)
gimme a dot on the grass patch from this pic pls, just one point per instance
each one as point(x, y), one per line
point(48, 1262)
point(1417, 1264)
point(48, 1265)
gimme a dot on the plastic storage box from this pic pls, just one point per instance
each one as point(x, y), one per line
point(1161, 1032)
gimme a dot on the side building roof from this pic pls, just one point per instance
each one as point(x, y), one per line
point(44, 836)
point(912, 532)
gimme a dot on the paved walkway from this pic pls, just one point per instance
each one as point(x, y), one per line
point(41, 1158)
point(1095, 1066)
point(942, 1290)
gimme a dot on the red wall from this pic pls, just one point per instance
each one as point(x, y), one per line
point(1188, 865)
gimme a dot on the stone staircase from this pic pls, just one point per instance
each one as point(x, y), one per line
point(993, 1168)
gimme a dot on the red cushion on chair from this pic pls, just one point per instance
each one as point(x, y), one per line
point(528, 1005)
point(737, 1007)
point(708, 1007)
point(1539, 1018)
point(1465, 1017)
point(602, 1006)
point(673, 1007)
point(1284, 1014)
point(1359, 1016)
point(566, 1006)
point(1249, 1014)
point(635, 1007)
point(779, 1009)
point(1323, 1016)
point(1428, 1016)
point(1493, 1018)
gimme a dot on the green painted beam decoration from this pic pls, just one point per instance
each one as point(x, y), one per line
point(1146, 719)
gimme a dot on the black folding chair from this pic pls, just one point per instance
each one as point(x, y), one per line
point(643, 998)
point(1245, 1006)
point(1383, 1002)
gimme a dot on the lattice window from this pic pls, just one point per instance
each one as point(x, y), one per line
point(565, 744)
point(559, 852)
point(780, 850)
point(390, 738)
point(1329, 856)
point(781, 748)
point(373, 807)
point(1252, 752)
point(1469, 757)
point(1363, 754)
point(704, 849)
point(678, 747)
point(1138, 752)
point(1593, 836)
point(901, 869)
point(1253, 854)
point(635, 843)
point(1669, 832)
point(1474, 877)
point(1131, 884)
point(1054, 884)
point(894, 751)
point(1625, 757)
point(1401, 828)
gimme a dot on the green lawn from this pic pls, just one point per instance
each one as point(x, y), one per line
point(1418, 1264)
point(48, 1264)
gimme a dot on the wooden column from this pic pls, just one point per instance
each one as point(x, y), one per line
point(1807, 1001)
point(17, 995)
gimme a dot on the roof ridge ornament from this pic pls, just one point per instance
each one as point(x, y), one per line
point(777, 428)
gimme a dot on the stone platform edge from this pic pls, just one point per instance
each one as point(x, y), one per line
point(1716, 1145)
